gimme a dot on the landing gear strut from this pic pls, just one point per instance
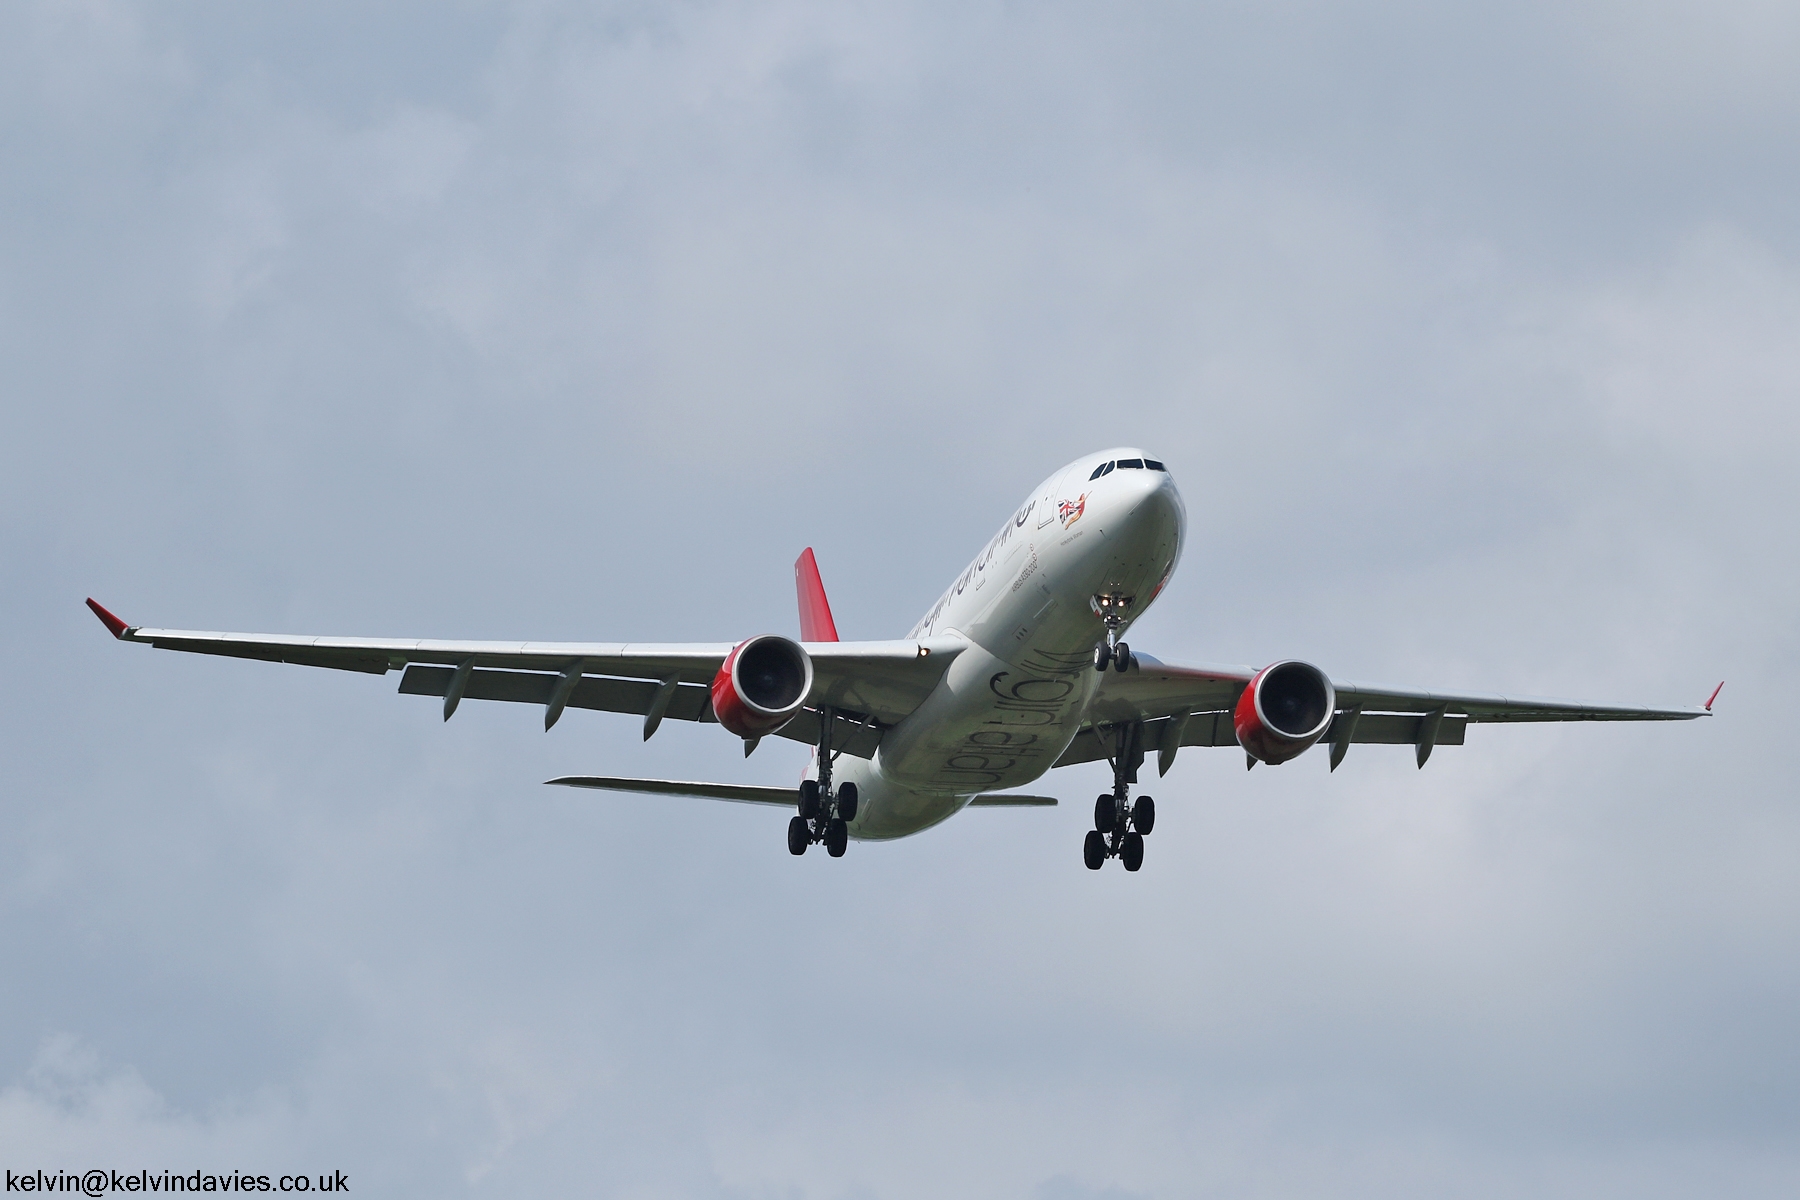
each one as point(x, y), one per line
point(1120, 823)
point(825, 814)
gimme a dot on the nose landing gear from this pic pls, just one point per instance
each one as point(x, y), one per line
point(1116, 655)
point(1120, 823)
point(1112, 609)
point(825, 814)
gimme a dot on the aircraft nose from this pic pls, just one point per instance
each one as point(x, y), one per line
point(1162, 503)
point(1138, 490)
point(1142, 501)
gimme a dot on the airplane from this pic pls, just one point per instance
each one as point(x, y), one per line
point(1020, 666)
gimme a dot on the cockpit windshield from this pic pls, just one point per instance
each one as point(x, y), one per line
point(1127, 464)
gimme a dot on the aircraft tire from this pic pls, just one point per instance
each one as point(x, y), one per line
point(837, 837)
point(1102, 656)
point(809, 798)
point(1122, 658)
point(799, 836)
point(847, 800)
point(1093, 851)
point(1132, 852)
point(1143, 814)
point(1106, 812)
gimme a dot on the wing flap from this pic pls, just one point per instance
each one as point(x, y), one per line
point(1215, 729)
point(855, 734)
point(690, 702)
point(1393, 729)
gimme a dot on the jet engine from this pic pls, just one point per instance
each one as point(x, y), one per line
point(1286, 708)
point(761, 685)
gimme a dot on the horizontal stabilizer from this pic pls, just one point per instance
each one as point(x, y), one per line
point(742, 793)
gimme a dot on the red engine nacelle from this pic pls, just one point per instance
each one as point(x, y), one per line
point(761, 685)
point(1285, 709)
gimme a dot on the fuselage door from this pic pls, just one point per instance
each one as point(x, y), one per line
point(1046, 503)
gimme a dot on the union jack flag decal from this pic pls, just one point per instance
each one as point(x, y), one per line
point(1069, 511)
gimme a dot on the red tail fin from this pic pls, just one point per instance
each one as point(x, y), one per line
point(816, 624)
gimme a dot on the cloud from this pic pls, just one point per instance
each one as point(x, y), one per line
point(70, 1113)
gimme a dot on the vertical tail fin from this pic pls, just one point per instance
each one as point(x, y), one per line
point(816, 624)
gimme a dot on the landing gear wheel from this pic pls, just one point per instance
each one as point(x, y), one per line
point(1093, 851)
point(1102, 656)
point(1106, 812)
point(809, 798)
point(799, 836)
point(1121, 658)
point(837, 837)
point(846, 802)
point(1132, 852)
point(1143, 814)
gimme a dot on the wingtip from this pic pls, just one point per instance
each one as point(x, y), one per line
point(113, 625)
point(1709, 699)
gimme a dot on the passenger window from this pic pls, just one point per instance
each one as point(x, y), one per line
point(1136, 463)
point(1154, 465)
point(1100, 470)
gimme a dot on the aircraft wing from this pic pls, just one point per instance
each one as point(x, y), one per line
point(1192, 706)
point(871, 685)
point(749, 793)
point(740, 793)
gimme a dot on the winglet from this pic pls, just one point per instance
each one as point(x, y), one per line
point(115, 626)
point(816, 624)
point(1709, 699)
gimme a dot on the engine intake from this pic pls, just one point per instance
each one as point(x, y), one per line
point(761, 685)
point(1285, 709)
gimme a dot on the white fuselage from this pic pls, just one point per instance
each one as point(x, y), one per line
point(1013, 700)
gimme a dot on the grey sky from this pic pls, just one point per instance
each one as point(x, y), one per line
point(1471, 334)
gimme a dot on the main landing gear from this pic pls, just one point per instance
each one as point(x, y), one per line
point(825, 814)
point(1119, 822)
